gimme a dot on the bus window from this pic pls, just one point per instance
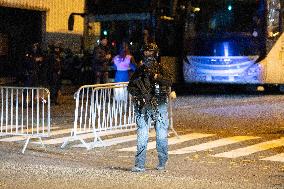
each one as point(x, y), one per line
point(217, 16)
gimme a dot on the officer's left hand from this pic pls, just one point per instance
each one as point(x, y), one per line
point(155, 76)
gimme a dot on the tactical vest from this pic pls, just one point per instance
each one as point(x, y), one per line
point(142, 80)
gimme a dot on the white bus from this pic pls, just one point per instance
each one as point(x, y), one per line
point(234, 42)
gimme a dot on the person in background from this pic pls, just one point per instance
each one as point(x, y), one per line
point(32, 71)
point(33, 65)
point(87, 72)
point(41, 65)
point(150, 88)
point(55, 66)
point(101, 60)
point(124, 62)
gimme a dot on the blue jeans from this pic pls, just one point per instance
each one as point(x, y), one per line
point(144, 115)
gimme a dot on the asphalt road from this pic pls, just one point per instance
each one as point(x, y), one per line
point(226, 141)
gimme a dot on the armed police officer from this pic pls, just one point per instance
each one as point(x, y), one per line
point(150, 87)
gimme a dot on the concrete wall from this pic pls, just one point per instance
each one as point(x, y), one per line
point(56, 13)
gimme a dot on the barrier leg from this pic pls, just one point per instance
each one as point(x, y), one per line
point(26, 144)
point(174, 131)
point(64, 144)
point(171, 119)
point(41, 142)
point(75, 137)
point(88, 147)
point(97, 139)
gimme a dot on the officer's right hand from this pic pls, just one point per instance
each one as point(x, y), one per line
point(108, 56)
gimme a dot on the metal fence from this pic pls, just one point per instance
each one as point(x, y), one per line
point(103, 108)
point(25, 112)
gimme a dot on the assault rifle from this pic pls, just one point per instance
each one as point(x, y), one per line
point(146, 95)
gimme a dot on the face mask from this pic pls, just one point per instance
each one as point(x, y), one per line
point(149, 61)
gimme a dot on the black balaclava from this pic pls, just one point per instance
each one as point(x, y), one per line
point(151, 59)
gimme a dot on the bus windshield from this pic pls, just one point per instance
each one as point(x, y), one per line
point(225, 28)
point(225, 16)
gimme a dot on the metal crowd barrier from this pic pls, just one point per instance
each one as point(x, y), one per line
point(25, 111)
point(103, 108)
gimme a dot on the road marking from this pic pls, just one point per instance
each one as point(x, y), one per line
point(252, 149)
point(173, 140)
point(212, 144)
point(19, 138)
point(113, 141)
point(85, 136)
point(278, 157)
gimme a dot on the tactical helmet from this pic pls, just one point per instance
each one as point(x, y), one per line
point(150, 47)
